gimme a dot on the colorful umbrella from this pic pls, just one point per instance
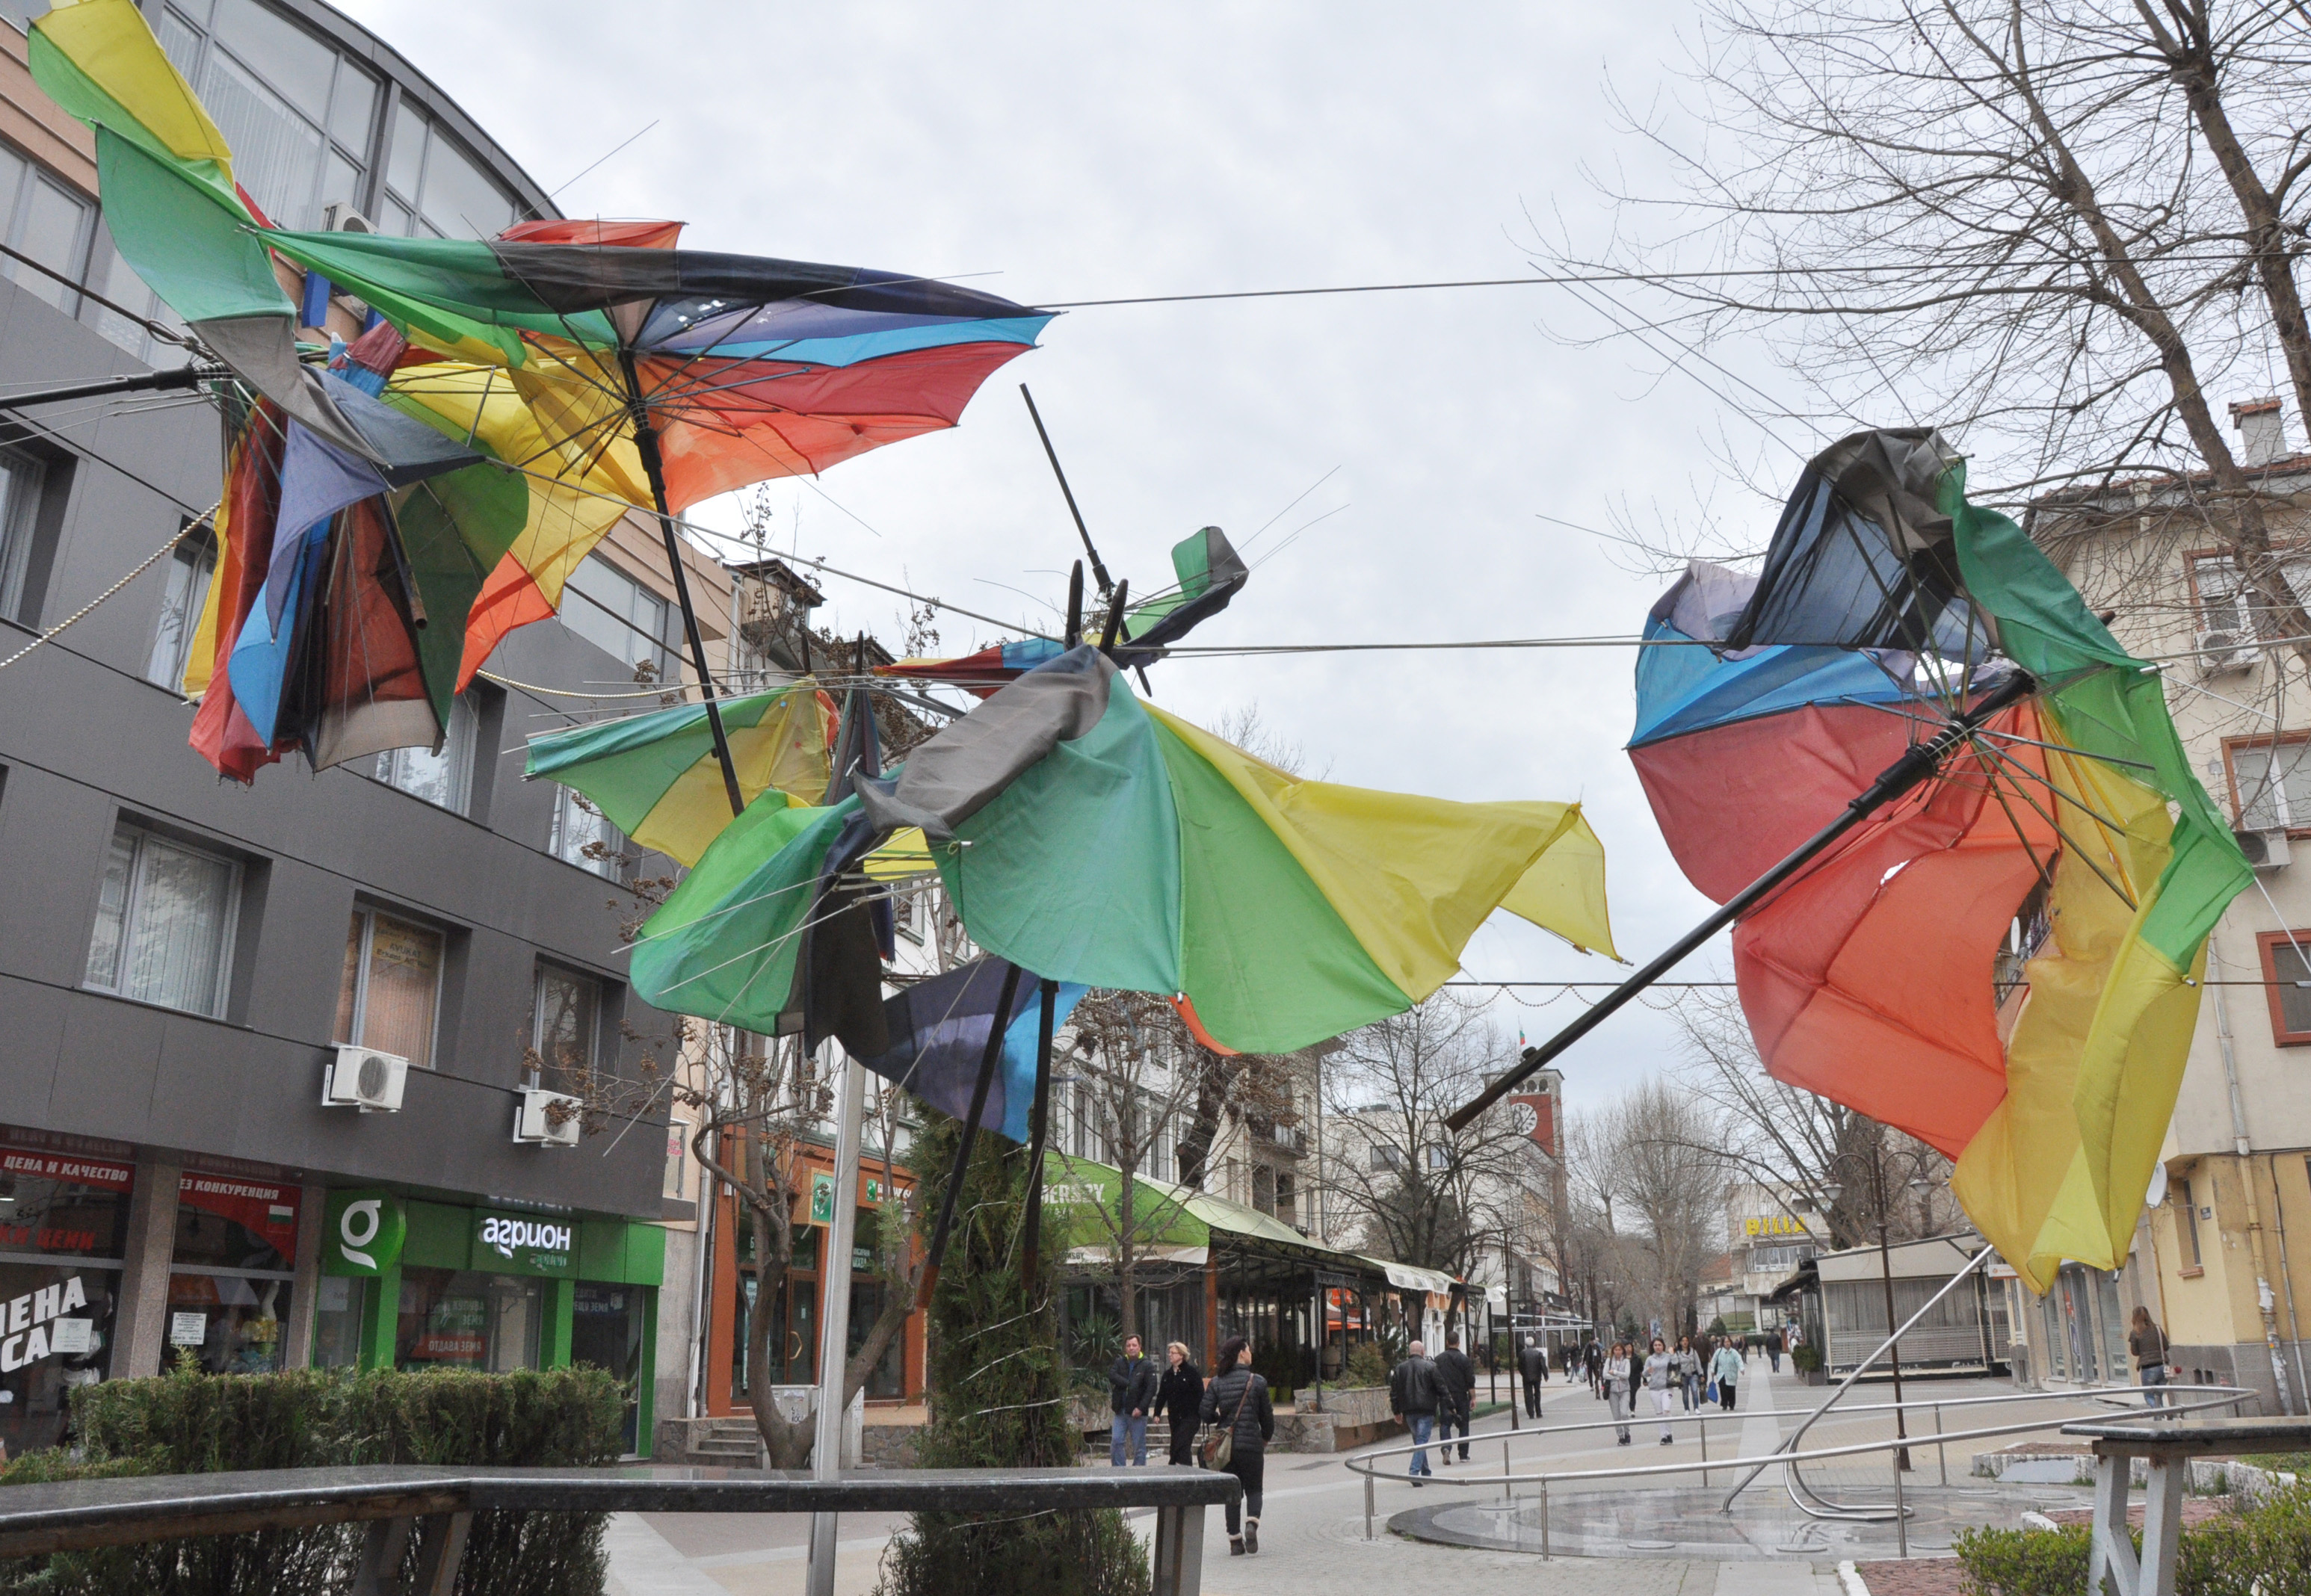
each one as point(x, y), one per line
point(1894, 629)
point(1093, 838)
point(654, 777)
point(693, 373)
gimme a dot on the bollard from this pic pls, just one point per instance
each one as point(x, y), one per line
point(1940, 1451)
point(1544, 1518)
point(1901, 1513)
point(1704, 1451)
point(1508, 1486)
point(1368, 1503)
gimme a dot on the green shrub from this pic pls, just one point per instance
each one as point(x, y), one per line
point(2266, 1552)
point(188, 1422)
point(1805, 1357)
point(1368, 1364)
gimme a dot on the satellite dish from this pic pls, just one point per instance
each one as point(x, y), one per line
point(2156, 1195)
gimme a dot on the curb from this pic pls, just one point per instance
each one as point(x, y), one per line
point(1850, 1580)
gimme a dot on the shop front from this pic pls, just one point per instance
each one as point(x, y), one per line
point(232, 1272)
point(64, 1226)
point(414, 1285)
point(798, 1299)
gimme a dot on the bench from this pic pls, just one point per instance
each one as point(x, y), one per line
point(436, 1505)
point(2166, 1446)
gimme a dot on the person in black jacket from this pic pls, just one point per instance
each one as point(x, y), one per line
point(1532, 1365)
point(1413, 1396)
point(1238, 1398)
point(1456, 1380)
point(1131, 1385)
point(1180, 1398)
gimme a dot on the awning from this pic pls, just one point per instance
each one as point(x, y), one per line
point(1409, 1276)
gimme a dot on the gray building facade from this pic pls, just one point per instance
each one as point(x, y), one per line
point(181, 957)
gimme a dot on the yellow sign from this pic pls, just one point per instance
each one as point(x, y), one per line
point(1775, 1225)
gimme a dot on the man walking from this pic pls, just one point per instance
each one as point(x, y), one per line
point(1532, 1364)
point(1412, 1396)
point(1132, 1383)
point(1456, 1380)
point(1596, 1361)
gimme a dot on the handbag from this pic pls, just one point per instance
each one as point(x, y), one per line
point(1711, 1392)
point(1217, 1450)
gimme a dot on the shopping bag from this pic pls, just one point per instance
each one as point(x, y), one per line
point(1713, 1391)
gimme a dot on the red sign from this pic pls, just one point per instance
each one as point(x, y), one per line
point(84, 1172)
point(261, 1209)
point(434, 1346)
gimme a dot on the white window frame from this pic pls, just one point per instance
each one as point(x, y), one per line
point(198, 555)
point(457, 746)
point(593, 1059)
point(612, 867)
point(227, 934)
point(361, 982)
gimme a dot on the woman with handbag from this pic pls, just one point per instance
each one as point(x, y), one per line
point(1237, 1401)
point(1180, 1398)
point(1618, 1367)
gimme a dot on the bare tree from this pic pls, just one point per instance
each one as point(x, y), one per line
point(2052, 230)
point(1667, 1175)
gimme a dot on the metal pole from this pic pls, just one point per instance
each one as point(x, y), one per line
point(1368, 1505)
point(141, 382)
point(1038, 1134)
point(834, 1316)
point(654, 468)
point(1901, 1513)
point(1940, 1449)
point(1098, 571)
point(1544, 1518)
point(1912, 768)
point(1893, 1335)
point(1704, 1421)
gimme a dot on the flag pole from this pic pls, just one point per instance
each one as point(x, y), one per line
point(1037, 1134)
point(1919, 762)
point(654, 467)
point(834, 1314)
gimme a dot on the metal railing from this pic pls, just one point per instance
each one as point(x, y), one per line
point(1899, 1511)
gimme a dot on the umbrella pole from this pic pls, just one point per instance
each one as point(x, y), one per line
point(987, 1062)
point(1037, 1134)
point(654, 467)
point(1914, 766)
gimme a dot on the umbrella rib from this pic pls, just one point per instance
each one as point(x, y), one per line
point(2071, 845)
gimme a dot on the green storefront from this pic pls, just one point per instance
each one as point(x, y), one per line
point(414, 1285)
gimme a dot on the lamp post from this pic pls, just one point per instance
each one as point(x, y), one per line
point(1886, 1275)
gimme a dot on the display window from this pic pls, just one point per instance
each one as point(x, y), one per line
point(62, 1221)
point(232, 1272)
point(605, 1331)
point(463, 1319)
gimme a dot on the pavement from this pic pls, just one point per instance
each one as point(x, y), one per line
point(1312, 1535)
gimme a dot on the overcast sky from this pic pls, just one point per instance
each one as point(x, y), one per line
point(1082, 152)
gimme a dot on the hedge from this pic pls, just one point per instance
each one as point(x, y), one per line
point(2266, 1550)
point(188, 1422)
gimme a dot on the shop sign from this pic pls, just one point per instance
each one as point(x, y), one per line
point(822, 1196)
point(523, 1243)
point(265, 1210)
point(364, 1234)
point(1775, 1225)
point(34, 1325)
point(187, 1329)
point(97, 1172)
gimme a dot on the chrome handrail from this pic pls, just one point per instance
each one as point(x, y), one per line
point(1362, 1462)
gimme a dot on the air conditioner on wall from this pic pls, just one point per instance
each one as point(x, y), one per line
point(535, 1123)
point(2221, 651)
point(338, 217)
point(363, 1078)
point(2265, 850)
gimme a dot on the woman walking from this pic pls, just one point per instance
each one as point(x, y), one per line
point(1661, 1379)
point(1725, 1368)
point(1617, 1388)
point(1179, 1399)
point(2147, 1343)
point(1238, 1399)
point(1688, 1372)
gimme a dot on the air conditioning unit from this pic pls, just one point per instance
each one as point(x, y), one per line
point(338, 217)
point(2266, 850)
point(537, 1122)
point(2222, 651)
point(363, 1078)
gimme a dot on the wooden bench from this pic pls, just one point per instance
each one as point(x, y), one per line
point(2167, 1445)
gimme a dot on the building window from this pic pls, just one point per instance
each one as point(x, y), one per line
point(1263, 1188)
point(433, 188)
point(2188, 1205)
point(1440, 1158)
point(22, 478)
point(584, 837)
point(443, 778)
point(617, 615)
point(2287, 985)
point(42, 218)
point(191, 568)
point(568, 1020)
point(2271, 783)
point(1385, 1158)
point(677, 1161)
point(2227, 605)
point(391, 994)
point(297, 114)
point(164, 924)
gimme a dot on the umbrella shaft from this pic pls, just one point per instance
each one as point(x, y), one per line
point(646, 442)
point(1916, 765)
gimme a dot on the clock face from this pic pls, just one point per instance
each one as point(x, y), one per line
point(1524, 1117)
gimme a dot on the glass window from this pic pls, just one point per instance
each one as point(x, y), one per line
point(340, 1305)
point(445, 777)
point(190, 570)
point(22, 478)
point(235, 1262)
point(453, 195)
point(52, 228)
point(2187, 1205)
point(292, 60)
point(2227, 604)
point(2271, 784)
point(677, 1159)
point(569, 1013)
point(391, 995)
point(21, 14)
point(462, 1319)
point(277, 154)
point(2288, 975)
point(405, 165)
point(616, 614)
point(584, 837)
point(164, 924)
point(351, 105)
point(64, 1219)
point(605, 1331)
